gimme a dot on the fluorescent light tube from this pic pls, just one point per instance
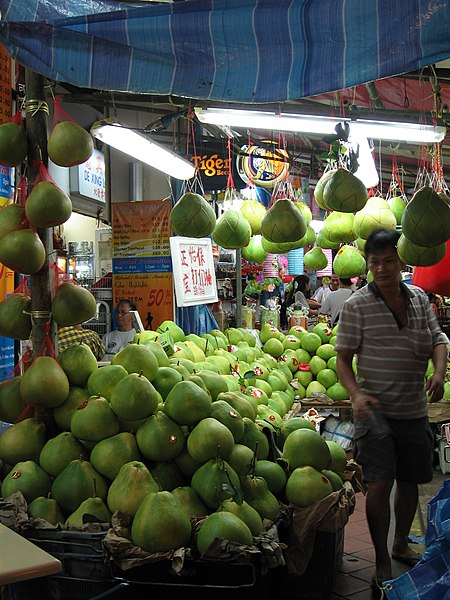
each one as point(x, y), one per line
point(142, 148)
point(379, 130)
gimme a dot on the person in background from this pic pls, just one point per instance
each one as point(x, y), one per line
point(119, 338)
point(392, 329)
point(302, 294)
point(75, 334)
point(328, 285)
point(333, 304)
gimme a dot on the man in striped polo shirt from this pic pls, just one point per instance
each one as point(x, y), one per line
point(393, 332)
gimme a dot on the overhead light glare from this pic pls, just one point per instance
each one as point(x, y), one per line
point(142, 148)
point(380, 130)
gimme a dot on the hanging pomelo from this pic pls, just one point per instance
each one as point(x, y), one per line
point(13, 144)
point(47, 205)
point(322, 240)
point(375, 215)
point(272, 248)
point(308, 239)
point(305, 210)
point(232, 230)
point(344, 192)
point(72, 304)
point(397, 204)
point(192, 216)
point(69, 144)
point(414, 255)
point(339, 227)
point(254, 212)
point(22, 251)
point(426, 219)
point(12, 217)
point(15, 318)
point(283, 222)
point(320, 185)
point(315, 259)
point(254, 252)
point(348, 262)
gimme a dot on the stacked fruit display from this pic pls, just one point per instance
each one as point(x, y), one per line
point(163, 440)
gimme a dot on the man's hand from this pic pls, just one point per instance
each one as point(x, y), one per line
point(362, 405)
point(434, 388)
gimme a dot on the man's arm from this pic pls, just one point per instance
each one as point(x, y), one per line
point(434, 387)
point(361, 402)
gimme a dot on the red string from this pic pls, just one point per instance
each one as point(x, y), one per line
point(230, 182)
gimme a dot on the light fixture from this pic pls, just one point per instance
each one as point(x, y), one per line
point(366, 171)
point(142, 148)
point(380, 130)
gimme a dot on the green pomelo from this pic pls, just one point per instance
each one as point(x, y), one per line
point(131, 485)
point(269, 415)
point(161, 524)
point(292, 425)
point(44, 383)
point(187, 403)
point(344, 192)
point(76, 483)
point(376, 214)
point(334, 479)
point(137, 359)
point(283, 222)
point(214, 482)
point(305, 447)
point(240, 402)
point(246, 513)
point(110, 454)
point(319, 189)
point(232, 230)
point(397, 206)
point(208, 439)
point(268, 331)
point(186, 464)
point(337, 392)
point(310, 342)
point(91, 510)
point(12, 216)
point(258, 495)
point(303, 355)
point(315, 388)
point(11, 402)
point(323, 331)
point(72, 304)
point(158, 351)
point(323, 242)
point(274, 347)
point(254, 252)
point(241, 459)
point(339, 227)
point(134, 397)
point(291, 342)
point(23, 441)
point(305, 210)
point(59, 451)
point(28, 478)
point(172, 328)
point(78, 363)
point(47, 509)
point(326, 351)
point(94, 420)
point(304, 375)
point(69, 144)
point(63, 413)
point(254, 212)
point(278, 248)
point(315, 259)
point(255, 439)
point(223, 525)
point(22, 251)
point(331, 363)
point(214, 383)
point(306, 486)
point(274, 475)
point(338, 457)
point(415, 255)
point(223, 411)
point(167, 475)
point(47, 205)
point(15, 319)
point(13, 144)
point(327, 377)
point(192, 216)
point(102, 381)
point(316, 364)
point(159, 438)
point(348, 262)
point(166, 378)
point(426, 219)
point(189, 500)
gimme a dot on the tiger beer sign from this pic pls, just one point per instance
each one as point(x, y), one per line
point(213, 169)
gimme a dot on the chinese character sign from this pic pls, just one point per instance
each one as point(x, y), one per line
point(193, 268)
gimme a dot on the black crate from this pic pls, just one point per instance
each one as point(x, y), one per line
point(317, 581)
point(57, 587)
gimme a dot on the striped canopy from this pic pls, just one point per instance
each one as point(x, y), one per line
point(252, 51)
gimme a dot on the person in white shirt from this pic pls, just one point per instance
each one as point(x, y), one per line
point(328, 286)
point(335, 301)
point(121, 337)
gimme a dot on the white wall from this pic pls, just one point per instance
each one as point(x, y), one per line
point(79, 229)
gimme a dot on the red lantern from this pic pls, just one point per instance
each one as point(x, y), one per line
point(436, 278)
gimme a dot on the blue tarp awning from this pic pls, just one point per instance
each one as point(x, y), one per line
point(252, 51)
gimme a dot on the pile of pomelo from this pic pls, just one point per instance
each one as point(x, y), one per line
point(165, 439)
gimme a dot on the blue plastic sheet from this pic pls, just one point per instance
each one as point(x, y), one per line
point(196, 319)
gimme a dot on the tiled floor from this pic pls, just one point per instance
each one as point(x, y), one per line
point(352, 581)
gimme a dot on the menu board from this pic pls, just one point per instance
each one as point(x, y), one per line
point(193, 270)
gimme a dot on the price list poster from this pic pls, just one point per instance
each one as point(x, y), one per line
point(142, 267)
